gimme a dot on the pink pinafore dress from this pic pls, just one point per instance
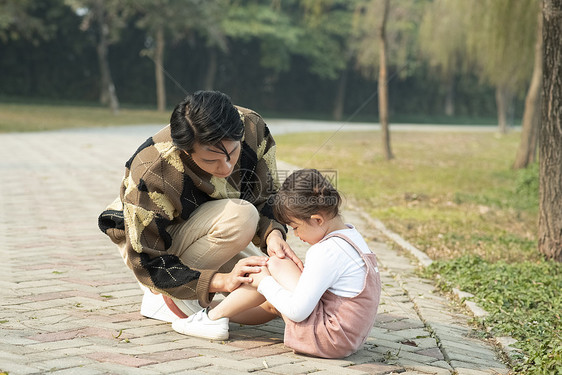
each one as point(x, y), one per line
point(338, 326)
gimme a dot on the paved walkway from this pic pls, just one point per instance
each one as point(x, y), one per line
point(70, 306)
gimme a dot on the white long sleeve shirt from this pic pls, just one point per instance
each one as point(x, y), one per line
point(332, 265)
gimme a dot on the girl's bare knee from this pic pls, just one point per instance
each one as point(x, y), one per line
point(284, 271)
point(276, 264)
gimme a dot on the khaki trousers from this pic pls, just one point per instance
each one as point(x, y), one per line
point(216, 236)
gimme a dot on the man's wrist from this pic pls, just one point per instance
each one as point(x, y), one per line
point(217, 283)
point(276, 233)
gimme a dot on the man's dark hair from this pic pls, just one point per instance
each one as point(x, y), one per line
point(207, 118)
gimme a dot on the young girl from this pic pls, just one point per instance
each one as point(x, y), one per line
point(329, 308)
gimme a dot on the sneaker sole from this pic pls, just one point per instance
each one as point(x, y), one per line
point(203, 335)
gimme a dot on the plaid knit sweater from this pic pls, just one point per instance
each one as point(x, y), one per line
point(163, 186)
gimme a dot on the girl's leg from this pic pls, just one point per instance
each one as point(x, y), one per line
point(286, 273)
point(241, 299)
point(245, 305)
point(256, 315)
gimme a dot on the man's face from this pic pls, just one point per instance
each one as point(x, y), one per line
point(214, 161)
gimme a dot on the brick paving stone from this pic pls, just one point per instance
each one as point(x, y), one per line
point(432, 352)
point(62, 363)
point(219, 370)
point(272, 361)
point(469, 369)
point(82, 332)
point(465, 346)
point(472, 355)
point(404, 345)
point(436, 368)
point(378, 368)
point(424, 368)
point(294, 368)
point(264, 351)
point(339, 372)
point(119, 369)
point(77, 371)
point(58, 354)
point(12, 367)
point(168, 355)
point(120, 359)
point(184, 366)
point(480, 364)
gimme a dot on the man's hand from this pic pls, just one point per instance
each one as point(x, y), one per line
point(240, 274)
point(258, 277)
point(276, 246)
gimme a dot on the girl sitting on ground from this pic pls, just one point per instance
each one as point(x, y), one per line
point(329, 308)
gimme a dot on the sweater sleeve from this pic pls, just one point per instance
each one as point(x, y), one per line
point(151, 195)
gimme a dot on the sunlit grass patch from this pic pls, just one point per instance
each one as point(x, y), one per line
point(17, 117)
point(450, 194)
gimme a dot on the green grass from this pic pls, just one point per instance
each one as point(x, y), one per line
point(18, 117)
point(450, 194)
point(455, 197)
point(524, 300)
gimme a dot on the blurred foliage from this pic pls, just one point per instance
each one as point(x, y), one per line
point(273, 56)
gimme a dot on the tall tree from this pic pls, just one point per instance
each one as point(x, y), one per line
point(500, 41)
point(527, 150)
point(327, 25)
point(105, 18)
point(386, 33)
point(173, 20)
point(550, 143)
point(442, 43)
point(383, 83)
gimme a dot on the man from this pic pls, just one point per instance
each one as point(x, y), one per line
point(195, 202)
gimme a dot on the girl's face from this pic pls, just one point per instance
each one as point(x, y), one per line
point(310, 231)
point(214, 161)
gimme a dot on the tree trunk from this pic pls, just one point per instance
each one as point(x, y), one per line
point(501, 105)
point(550, 143)
point(383, 87)
point(159, 70)
point(450, 96)
point(107, 93)
point(531, 117)
point(339, 100)
point(211, 69)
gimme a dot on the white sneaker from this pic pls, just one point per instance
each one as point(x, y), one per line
point(153, 306)
point(200, 325)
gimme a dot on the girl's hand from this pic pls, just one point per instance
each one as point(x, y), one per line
point(276, 246)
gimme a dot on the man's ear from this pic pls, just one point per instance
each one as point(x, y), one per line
point(318, 219)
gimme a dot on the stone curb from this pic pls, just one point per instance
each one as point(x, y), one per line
point(505, 343)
